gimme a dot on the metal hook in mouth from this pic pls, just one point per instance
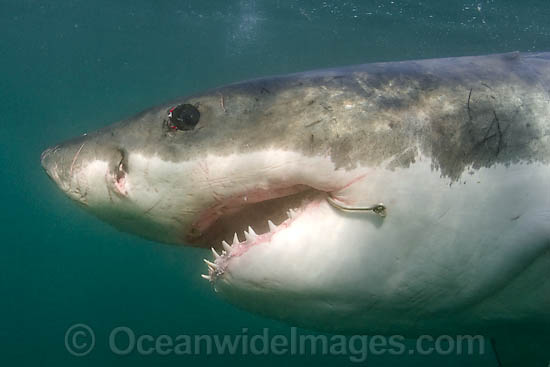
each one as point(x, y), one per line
point(379, 209)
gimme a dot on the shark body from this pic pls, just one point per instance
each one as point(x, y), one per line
point(390, 198)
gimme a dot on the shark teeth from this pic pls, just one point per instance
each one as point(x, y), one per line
point(226, 246)
point(235, 239)
point(250, 235)
point(211, 266)
point(291, 213)
point(217, 267)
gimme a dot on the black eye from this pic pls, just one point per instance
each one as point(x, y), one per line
point(184, 117)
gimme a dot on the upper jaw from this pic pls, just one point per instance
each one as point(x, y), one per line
point(222, 227)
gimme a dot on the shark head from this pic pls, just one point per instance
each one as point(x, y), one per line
point(241, 169)
point(387, 198)
point(198, 170)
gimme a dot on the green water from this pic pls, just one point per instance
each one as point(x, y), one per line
point(72, 66)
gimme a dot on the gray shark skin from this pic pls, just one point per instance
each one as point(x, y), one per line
point(279, 168)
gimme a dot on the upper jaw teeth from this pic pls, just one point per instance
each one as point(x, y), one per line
point(217, 267)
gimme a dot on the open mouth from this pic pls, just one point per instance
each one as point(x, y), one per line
point(233, 226)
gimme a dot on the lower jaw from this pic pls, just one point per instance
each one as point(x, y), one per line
point(252, 239)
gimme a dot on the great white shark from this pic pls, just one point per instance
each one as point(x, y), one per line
point(389, 198)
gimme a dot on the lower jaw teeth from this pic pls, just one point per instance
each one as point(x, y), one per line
point(226, 246)
point(214, 269)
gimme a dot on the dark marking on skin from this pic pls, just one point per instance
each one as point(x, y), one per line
point(326, 107)
point(468, 105)
point(498, 134)
point(343, 147)
point(109, 190)
point(404, 159)
point(391, 102)
point(444, 214)
point(313, 123)
point(147, 211)
point(515, 218)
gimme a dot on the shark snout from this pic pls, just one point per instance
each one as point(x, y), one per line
point(60, 163)
point(50, 164)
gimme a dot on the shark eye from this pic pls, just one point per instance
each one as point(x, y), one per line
point(184, 117)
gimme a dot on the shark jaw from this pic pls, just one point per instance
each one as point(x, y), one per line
point(237, 248)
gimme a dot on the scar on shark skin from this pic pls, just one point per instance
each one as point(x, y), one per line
point(75, 158)
point(222, 104)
